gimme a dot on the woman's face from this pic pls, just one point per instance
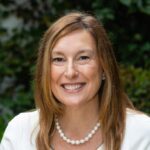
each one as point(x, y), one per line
point(75, 71)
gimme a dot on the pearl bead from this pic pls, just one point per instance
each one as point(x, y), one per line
point(76, 142)
point(68, 140)
point(65, 138)
point(93, 131)
point(81, 141)
point(90, 135)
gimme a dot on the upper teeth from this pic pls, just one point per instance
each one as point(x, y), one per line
point(72, 87)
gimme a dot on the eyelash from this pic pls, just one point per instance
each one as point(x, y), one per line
point(57, 59)
point(79, 60)
point(84, 57)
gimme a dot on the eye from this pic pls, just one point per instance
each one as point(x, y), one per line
point(83, 59)
point(58, 60)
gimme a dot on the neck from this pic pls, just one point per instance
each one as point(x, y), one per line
point(80, 119)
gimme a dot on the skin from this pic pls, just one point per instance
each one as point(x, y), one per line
point(75, 63)
point(75, 80)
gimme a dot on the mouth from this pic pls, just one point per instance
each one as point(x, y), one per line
point(73, 87)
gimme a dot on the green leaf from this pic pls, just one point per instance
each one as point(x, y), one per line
point(126, 2)
point(144, 7)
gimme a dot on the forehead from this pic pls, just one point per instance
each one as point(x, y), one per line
point(79, 40)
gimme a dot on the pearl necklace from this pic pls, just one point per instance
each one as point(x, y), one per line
point(76, 142)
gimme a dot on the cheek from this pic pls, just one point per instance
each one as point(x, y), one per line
point(55, 77)
point(55, 74)
point(93, 74)
point(91, 71)
point(95, 79)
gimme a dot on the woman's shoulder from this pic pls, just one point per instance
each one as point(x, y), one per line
point(137, 131)
point(26, 121)
point(27, 115)
point(137, 116)
point(21, 128)
point(29, 118)
point(138, 122)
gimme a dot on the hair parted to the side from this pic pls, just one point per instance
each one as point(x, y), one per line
point(113, 100)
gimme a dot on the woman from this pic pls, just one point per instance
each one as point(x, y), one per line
point(80, 101)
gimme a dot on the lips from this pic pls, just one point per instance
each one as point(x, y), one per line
point(73, 87)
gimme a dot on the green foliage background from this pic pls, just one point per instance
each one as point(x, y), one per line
point(23, 22)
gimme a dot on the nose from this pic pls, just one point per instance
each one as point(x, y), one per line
point(71, 70)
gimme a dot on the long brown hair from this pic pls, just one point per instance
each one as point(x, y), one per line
point(113, 100)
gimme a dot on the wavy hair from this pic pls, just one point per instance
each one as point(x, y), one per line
point(113, 101)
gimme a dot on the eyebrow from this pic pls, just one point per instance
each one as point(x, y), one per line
point(85, 50)
point(78, 52)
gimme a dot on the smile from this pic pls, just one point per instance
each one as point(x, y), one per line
point(73, 87)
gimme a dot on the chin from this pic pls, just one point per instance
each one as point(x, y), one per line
point(73, 103)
